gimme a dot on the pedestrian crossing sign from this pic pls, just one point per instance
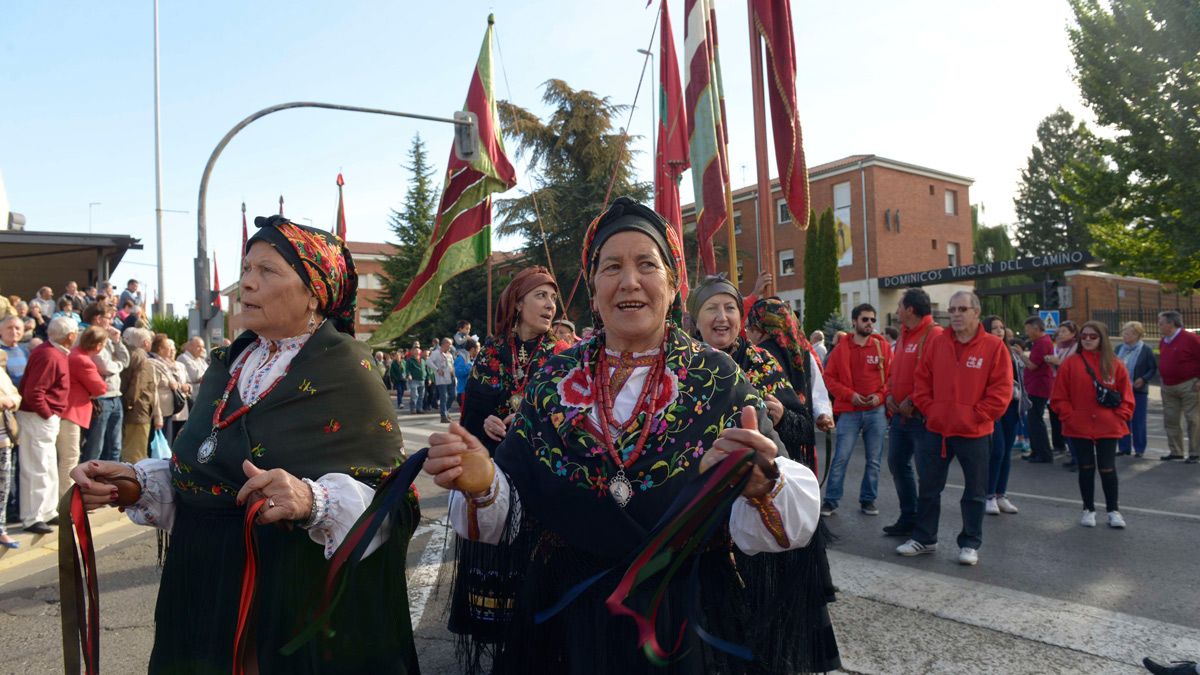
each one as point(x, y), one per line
point(1050, 318)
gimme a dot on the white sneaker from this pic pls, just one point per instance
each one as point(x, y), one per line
point(913, 547)
point(968, 556)
point(1088, 519)
point(1006, 506)
point(991, 508)
point(1115, 520)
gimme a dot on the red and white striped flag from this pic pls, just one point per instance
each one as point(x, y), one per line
point(707, 135)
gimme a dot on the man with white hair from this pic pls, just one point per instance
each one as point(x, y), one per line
point(971, 390)
point(194, 363)
point(45, 301)
point(44, 390)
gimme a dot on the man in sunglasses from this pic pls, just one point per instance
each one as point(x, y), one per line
point(963, 385)
point(856, 376)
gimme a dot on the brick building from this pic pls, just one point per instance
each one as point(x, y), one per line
point(917, 218)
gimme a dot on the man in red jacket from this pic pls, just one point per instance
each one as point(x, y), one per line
point(1179, 367)
point(971, 390)
point(44, 391)
point(907, 430)
point(856, 376)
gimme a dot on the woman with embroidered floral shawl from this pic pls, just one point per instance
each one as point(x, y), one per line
point(290, 418)
point(610, 433)
point(772, 326)
point(494, 390)
point(716, 309)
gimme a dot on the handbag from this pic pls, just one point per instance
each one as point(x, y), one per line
point(178, 402)
point(1109, 398)
point(159, 448)
point(14, 429)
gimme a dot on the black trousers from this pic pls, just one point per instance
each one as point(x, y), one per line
point(1090, 453)
point(933, 464)
point(1039, 439)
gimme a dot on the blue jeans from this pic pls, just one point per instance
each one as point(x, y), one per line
point(1137, 426)
point(400, 394)
point(904, 437)
point(444, 398)
point(1000, 461)
point(871, 424)
point(416, 396)
point(932, 467)
point(104, 436)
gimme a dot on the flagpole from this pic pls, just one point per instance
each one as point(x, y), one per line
point(733, 273)
point(489, 294)
point(765, 220)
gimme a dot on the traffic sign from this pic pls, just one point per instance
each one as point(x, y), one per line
point(1050, 318)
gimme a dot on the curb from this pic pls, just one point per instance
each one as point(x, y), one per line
point(33, 545)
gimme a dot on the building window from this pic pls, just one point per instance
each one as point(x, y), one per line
point(952, 202)
point(737, 223)
point(368, 317)
point(934, 246)
point(930, 190)
point(887, 219)
point(952, 254)
point(741, 270)
point(787, 263)
point(845, 305)
point(896, 220)
point(781, 210)
point(368, 282)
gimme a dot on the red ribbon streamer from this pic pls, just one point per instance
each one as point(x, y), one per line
point(242, 647)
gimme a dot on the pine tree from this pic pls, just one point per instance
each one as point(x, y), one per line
point(812, 275)
point(411, 226)
point(572, 156)
point(1047, 220)
point(826, 298)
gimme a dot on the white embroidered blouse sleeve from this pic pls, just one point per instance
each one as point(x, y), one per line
point(156, 508)
point(787, 520)
point(488, 512)
point(338, 501)
point(820, 395)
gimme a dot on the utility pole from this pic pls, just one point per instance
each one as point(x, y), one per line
point(160, 297)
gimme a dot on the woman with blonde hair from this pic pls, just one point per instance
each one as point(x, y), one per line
point(1094, 400)
point(1142, 366)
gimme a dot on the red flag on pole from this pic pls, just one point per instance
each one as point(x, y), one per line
point(339, 227)
point(773, 21)
point(671, 155)
point(216, 284)
point(244, 236)
point(706, 126)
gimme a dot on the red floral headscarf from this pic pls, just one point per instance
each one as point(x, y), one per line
point(322, 261)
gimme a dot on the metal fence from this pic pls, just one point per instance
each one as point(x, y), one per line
point(1113, 319)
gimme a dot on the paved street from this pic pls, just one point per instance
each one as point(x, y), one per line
point(1047, 597)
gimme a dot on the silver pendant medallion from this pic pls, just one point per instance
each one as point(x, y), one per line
point(514, 403)
point(621, 489)
point(207, 449)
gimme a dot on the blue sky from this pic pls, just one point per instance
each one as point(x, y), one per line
point(958, 86)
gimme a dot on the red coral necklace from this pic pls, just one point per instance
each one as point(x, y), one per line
point(619, 486)
point(209, 447)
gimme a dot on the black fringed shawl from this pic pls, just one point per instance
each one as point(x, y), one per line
point(573, 529)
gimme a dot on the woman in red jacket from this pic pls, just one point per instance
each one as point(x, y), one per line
point(86, 383)
point(1092, 429)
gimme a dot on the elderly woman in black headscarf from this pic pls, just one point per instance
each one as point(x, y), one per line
point(291, 419)
point(633, 430)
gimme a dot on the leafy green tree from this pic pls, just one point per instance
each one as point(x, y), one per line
point(1049, 219)
point(572, 156)
point(992, 243)
point(1136, 65)
point(825, 299)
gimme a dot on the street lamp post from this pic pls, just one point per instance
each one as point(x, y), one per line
point(653, 120)
point(90, 205)
point(466, 147)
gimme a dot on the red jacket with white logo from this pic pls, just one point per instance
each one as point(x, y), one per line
point(1074, 399)
point(863, 370)
point(905, 359)
point(962, 389)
